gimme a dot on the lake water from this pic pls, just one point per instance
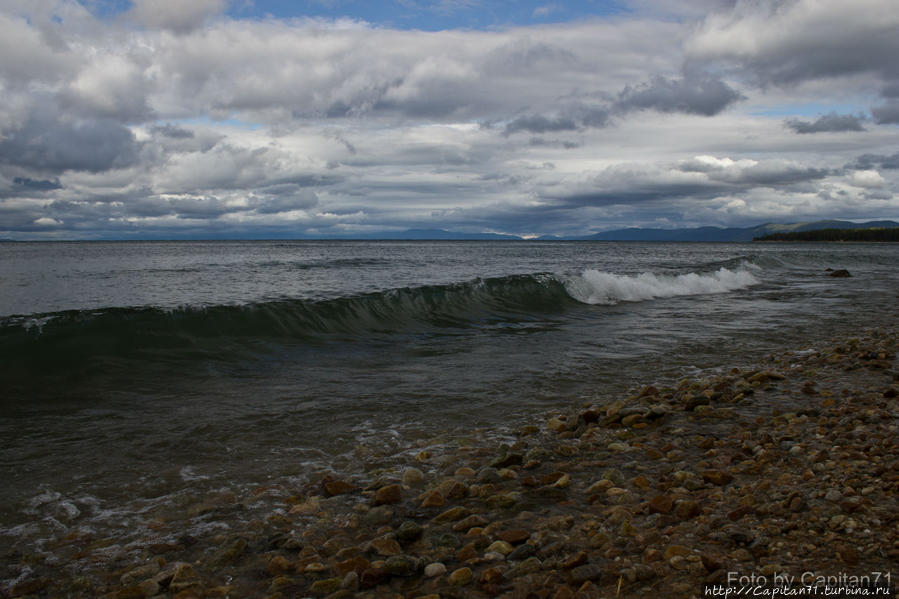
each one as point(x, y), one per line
point(137, 377)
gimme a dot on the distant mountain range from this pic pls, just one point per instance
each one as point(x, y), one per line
point(436, 234)
point(636, 234)
point(728, 234)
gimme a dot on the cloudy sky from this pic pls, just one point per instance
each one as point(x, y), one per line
point(256, 118)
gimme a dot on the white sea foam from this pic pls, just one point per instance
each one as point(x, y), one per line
point(188, 473)
point(596, 287)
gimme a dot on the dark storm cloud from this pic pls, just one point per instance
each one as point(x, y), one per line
point(828, 123)
point(610, 191)
point(299, 199)
point(685, 184)
point(26, 187)
point(203, 207)
point(50, 141)
point(288, 185)
point(195, 207)
point(37, 184)
point(871, 161)
point(765, 173)
point(697, 94)
point(539, 142)
point(436, 104)
point(573, 118)
point(887, 113)
point(632, 197)
point(172, 131)
point(693, 94)
point(536, 123)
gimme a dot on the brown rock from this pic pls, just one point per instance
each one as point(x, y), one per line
point(501, 501)
point(848, 554)
point(460, 577)
point(765, 376)
point(563, 483)
point(548, 479)
point(325, 586)
point(743, 510)
point(452, 514)
point(372, 577)
point(686, 509)
point(600, 486)
point(355, 564)
point(388, 495)
point(576, 559)
point(401, 565)
point(466, 553)
point(337, 487)
point(797, 504)
point(499, 547)
point(653, 454)
point(556, 425)
point(676, 550)
point(563, 592)
point(470, 522)
point(711, 562)
point(490, 576)
point(641, 482)
point(513, 536)
point(582, 574)
point(308, 507)
point(632, 419)
point(717, 477)
point(278, 565)
point(590, 416)
point(384, 546)
point(311, 567)
point(453, 489)
point(433, 499)
point(660, 504)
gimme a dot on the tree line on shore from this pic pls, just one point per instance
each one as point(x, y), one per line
point(877, 234)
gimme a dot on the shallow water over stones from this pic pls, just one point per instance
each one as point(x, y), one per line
point(789, 467)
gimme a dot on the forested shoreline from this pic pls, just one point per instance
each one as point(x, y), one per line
point(880, 234)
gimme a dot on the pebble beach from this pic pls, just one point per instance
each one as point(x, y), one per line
point(784, 476)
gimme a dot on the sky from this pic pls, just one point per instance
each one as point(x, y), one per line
point(149, 119)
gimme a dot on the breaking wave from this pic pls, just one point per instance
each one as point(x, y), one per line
point(107, 337)
point(595, 287)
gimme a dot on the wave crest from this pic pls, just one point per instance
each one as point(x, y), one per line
point(604, 288)
point(73, 340)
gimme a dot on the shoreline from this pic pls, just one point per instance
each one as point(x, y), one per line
point(786, 469)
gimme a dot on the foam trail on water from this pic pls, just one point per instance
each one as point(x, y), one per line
point(596, 287)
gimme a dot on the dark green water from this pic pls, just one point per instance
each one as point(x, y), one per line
point(138, 375)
